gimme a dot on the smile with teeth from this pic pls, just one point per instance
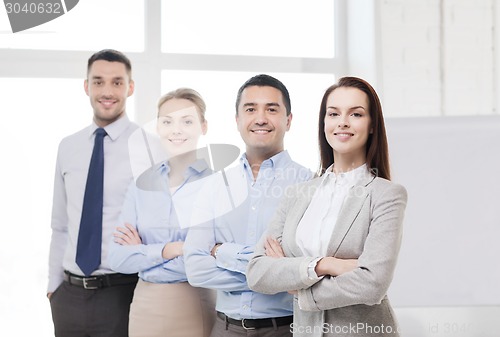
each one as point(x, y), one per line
point(107, 102)
point(177, 141)
point(261, 131)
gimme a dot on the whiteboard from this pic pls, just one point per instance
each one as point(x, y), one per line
point(451, 243)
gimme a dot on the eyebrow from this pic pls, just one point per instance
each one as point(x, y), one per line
point(185, 116)
point(96, 77)
point(351, 108)
point(267, 104)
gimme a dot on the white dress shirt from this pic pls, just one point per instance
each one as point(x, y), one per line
point(72, 166)
point(315, 229)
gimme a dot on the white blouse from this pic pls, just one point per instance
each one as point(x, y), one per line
point(315, 229)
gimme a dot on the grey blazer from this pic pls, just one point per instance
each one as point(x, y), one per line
point(368, 228)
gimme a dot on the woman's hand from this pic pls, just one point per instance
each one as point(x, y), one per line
point(172, 249)
point(127, 235)
point(333, 266)
point(273, 248)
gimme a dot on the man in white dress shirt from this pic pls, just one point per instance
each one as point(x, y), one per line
point(95, 302)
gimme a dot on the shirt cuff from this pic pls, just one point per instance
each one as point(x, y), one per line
point(226, 255)
point(154, 254)
point(311, 272)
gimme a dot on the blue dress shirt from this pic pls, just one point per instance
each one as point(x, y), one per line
point(160, 217)
point(236, 215)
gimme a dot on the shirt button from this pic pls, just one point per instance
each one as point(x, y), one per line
point(254, 208)
point(245, 307)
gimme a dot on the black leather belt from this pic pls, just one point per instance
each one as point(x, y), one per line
point(99, 281)
point(252, 324)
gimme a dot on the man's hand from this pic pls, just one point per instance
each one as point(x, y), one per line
point(213, 252)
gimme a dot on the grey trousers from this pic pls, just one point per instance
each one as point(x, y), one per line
point(79, 312)
point(223, 329)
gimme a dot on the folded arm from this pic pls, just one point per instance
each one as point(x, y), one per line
point(271, 274)
point(225, 271)
point(368, 283)
point(128, 254)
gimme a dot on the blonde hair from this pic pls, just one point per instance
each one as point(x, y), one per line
point(188, 94)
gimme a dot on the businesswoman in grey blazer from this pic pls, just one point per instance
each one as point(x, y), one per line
point(334, 241)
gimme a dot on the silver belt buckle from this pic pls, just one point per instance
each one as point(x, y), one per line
point(87, 286)
point(244, 326)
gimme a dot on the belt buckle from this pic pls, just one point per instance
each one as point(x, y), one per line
point(87, 286)
point(245, 327)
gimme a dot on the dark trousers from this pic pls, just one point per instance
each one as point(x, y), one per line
point(79, 312)
point(224, 329)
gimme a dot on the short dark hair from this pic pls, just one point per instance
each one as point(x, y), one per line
point(377, 149)
point(264, 80)
point(111, 55)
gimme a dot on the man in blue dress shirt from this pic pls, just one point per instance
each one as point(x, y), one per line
point(235, 210)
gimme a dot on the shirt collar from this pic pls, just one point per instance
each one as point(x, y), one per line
point(350, 177)
point(197, 167)
point(278, 160)
point(115, 129)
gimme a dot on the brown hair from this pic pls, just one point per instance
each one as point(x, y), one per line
point(377, 149)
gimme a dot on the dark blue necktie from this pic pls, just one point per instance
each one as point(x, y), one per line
point(88, 252)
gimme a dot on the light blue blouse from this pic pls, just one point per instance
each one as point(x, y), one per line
point(157, 215)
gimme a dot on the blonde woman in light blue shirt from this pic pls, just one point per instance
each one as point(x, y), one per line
point(150, 235)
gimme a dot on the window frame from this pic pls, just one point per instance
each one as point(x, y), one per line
point(148, 64)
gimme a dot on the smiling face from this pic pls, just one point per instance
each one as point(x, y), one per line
point(108, 85)
point(262, 121)
point(179, 126)
point(348, 126)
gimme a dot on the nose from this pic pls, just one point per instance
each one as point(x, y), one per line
point(176, 128)
point(107, 90)
point(343, 122)
point(261, 117)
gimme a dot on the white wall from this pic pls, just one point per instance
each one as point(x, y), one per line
point(438, 58)
point(432, 57)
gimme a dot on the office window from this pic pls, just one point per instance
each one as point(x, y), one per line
point(37, 113)
point(117, 24)
point(281, 28)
